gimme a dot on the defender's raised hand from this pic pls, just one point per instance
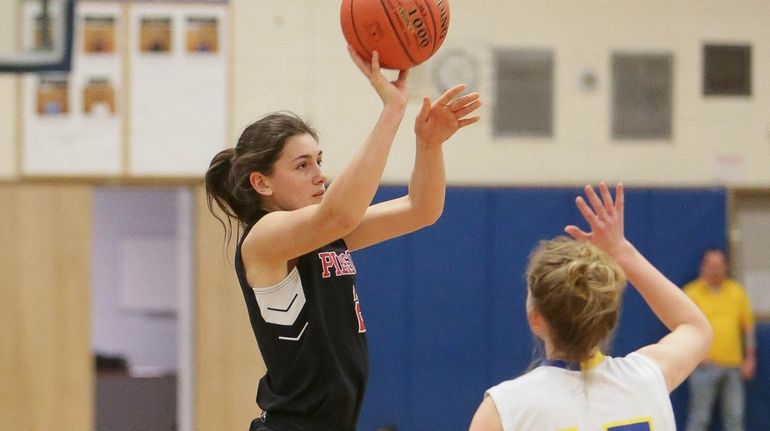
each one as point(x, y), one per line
point(604, 216)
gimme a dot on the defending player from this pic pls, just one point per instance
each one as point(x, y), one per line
point(573, 303)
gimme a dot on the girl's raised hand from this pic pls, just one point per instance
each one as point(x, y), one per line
point(605, 218)
point(391, 92)
point(439, 120)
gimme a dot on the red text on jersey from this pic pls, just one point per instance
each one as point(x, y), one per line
point(341, 262)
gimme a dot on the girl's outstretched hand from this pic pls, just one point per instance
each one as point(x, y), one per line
point(605, 218)
point(439, 120)
point(391, 92)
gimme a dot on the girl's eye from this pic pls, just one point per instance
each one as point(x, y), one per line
point(320, 162)
point(302, 165)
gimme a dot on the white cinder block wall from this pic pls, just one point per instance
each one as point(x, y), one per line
point(291, 55)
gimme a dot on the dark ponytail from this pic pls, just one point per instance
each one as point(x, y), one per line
point(218, 189)
point(259, 146)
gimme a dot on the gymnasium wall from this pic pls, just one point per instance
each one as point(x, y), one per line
point(445, 320)
point(46, 366)
point(445, 307)
point(290, 55)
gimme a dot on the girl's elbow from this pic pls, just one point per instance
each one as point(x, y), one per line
point(340, 222)
point(346, 223)
point(431, 217)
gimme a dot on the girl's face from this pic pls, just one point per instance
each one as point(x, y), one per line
point(297, 179)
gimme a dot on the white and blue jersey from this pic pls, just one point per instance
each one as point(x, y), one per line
point(609, 394)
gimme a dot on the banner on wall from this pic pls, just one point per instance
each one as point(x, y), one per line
point(178, 91)
point(72, 121)
point(166, 118)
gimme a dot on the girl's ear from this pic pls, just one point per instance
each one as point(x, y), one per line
point(260, 183)
point(537, 323)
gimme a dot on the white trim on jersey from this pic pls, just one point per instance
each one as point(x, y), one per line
point(297, 337)
point(281, 303)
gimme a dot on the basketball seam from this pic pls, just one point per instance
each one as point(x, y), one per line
point(355, 29)
point(395, 31)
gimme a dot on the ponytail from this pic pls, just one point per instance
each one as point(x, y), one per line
point(218, 189)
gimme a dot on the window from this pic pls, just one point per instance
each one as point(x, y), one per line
point(727, 70)
point(642, 96)
point(524, 93)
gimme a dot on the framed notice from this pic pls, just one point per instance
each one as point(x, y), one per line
point(99, 34)
point(52, 96)
point(146, 95)
point(98, 97)
point(72, 123)
point(155, 35)
point(177, 98)
point(202, 35)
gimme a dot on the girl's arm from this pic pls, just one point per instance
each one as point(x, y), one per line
point(487, 417)
point(283, 235)
point(424, 203)
point(679, 352)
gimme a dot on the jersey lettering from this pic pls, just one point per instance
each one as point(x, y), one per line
point(361, 324)
point(632, 425)
point(639, 426)
point(341, 262)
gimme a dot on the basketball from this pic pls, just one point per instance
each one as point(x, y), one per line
point(404, 32)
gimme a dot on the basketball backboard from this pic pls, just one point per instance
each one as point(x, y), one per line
point(36, 35)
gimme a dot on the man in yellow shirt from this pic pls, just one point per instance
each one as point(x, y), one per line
point(732, 356)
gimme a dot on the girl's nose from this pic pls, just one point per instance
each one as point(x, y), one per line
point(321, 176)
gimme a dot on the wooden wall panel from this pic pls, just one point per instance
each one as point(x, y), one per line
point(227, 361)
point(46, 367)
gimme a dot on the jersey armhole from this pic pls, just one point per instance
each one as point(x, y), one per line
point(649, 364)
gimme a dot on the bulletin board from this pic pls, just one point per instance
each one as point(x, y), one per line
point(177, 98)
point(146, 96)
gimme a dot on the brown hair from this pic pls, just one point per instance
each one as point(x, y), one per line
point(577, 288)
point(258, 148)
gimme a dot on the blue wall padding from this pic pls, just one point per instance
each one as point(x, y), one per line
point(444, 307)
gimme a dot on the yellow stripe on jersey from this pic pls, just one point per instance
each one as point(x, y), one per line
point(592, 362)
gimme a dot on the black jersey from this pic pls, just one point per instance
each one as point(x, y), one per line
point(311, 335)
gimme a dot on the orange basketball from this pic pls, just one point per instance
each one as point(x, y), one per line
point(404, 32)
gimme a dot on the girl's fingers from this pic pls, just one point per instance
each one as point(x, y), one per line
point(609, 206)
point(588, 214)
point(595, 202)
point(468, 109)
point(403, 75)
point(422, 116)
point(375, 61)
point(450, 94)
point(463, 101)
point(359, 62)
point(468, 121)
point(577, 233)
point(620, 202)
